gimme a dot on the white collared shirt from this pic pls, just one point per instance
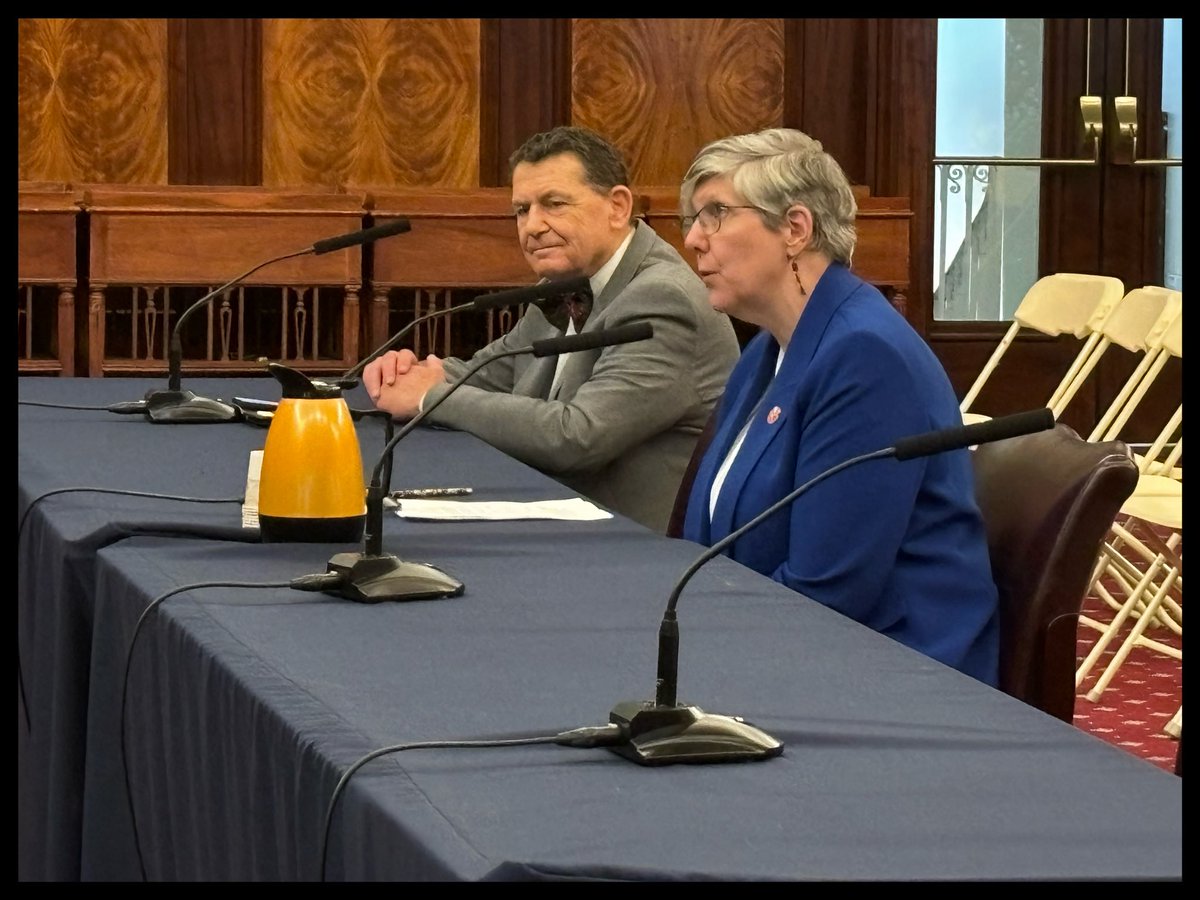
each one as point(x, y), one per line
point(598, 283)
point(719, 480)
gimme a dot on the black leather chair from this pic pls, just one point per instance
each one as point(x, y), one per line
point(1048, 500)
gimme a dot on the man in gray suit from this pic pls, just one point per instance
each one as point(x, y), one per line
point(617, 424)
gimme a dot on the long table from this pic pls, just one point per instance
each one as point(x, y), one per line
point(245, 706)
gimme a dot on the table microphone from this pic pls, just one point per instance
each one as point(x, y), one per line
point(179, 406)
point(539, 294)
point(373, 576)
point(664, 732)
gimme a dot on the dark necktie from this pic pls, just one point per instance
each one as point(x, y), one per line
point(571, 307)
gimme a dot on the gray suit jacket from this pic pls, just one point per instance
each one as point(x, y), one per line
point(625, 419)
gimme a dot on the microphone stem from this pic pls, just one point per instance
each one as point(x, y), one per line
point(668, 660)
point(420, 417)
point(174, 361)
point(668, 632)
point(373, 541)
point(175, 353)
point(378, 486)
point(766, 514)
point(391, 342)
point(389, 430)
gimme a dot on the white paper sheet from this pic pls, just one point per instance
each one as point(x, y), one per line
point(250, 504)
point(575, 509)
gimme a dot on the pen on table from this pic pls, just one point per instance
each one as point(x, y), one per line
point(255, 404)
point(418, 493)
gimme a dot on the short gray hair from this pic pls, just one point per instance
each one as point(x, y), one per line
point(776, 168)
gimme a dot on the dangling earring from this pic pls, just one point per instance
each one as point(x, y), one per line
point(796, 272)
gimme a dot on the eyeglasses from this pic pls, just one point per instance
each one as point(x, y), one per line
point(710, 217)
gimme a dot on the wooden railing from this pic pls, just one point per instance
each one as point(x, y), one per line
point(47, 278)
point(166, 247)
point(151, 251)
point(459, 240)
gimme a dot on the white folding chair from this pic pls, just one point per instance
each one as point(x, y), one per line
point(1135, 324)
point(1142, 559)
point(1062, 303)
point(1163, 342)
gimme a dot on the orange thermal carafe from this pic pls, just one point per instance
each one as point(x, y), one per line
point(311, 486)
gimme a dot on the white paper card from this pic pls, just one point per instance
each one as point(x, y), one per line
point(575, 509)
point(250, 504)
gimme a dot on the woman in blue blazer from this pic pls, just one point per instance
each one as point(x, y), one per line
point(835, 372)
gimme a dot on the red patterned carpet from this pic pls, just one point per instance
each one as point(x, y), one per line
point(1145, 693)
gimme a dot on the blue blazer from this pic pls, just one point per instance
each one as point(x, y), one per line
point(897, 546)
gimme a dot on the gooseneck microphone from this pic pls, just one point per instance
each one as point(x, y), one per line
point(373, 576)
point(179, 406)
point(539, 294)
point(664, 732)
point(362, 236)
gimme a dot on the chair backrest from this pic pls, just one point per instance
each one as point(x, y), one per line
point(1163, 341)
point(1048, 500)
point(1172, 338)
point(1143, 312)
point(1063, 303)
point(1069, 303)
point(679, 510)
point(1130, 323)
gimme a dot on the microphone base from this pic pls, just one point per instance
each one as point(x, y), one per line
point(664, 735)
point(379, 579)
point(184, 407)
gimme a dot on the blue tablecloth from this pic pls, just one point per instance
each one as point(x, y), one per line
point(245, 706)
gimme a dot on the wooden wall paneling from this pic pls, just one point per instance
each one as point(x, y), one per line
point(828, 90)
point(381, 102)
point(215, 101)
point(905, 84)
point(47, 278)
point(1070, 196)
point(92, 100)
point(525, 88)
point(226, 231)
point(794, 59)
point(1131, 194)
point(491, 169)
point(662, 88)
